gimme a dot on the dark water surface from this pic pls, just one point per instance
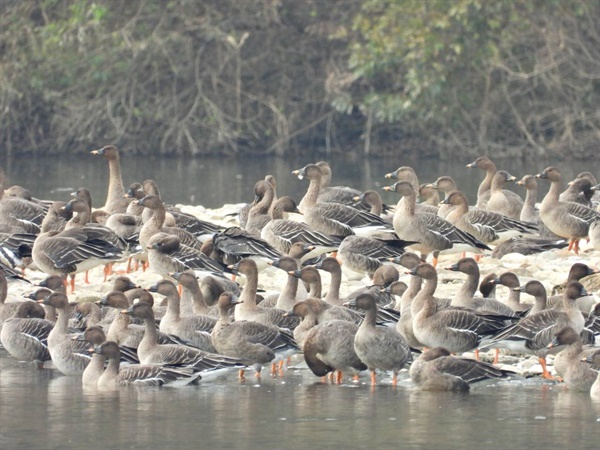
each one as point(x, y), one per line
point(43, 409)
point(211, 182)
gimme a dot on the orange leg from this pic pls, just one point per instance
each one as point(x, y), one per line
point(545, 373)
point(86, 279)
point(355, 377)
point(478, 257)
point(435, 261)
point(339, 377)
point(72, 283)
point(281, 365)
point(144, 266)
point(106, 271)
point(241, 375)
point(128, 270)
point(395, 378)
point(373, 378)
point(324, 379)
point(330, 377)
point(477, 358)
point(496, 355)
point(274, 369)
point(576, 247)
point(179, 289)
point(571, 243)
point(463, 255)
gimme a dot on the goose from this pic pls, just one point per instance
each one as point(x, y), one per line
point(364, 255)
point(329, 347)
point(70, 252)
point(566, 219)
point(15, 249)
point(233, 244)
point(192, 297)
point(529, 212)
point(577, 272)
point(511, 281)
point(140, 375)
point(242, 214)
point(527, 246)
point(290, 293)
point(437, 370)
point(151, 352)
point(332, 218)
point(446, 185)
point(404, 326)
point(7, 309)
point(378, 347)
point(24, 336)
point(457, 330)
point(18, 215)
point(136, 192)
point(94, 336)
point(337, 194)
point(429, 195)
point(432, 233)
point(156, 224)
point(121, 330)
point(283, 233)
point(65, 353)
point(500, 201)
point(484, 191)
point(537, 289)
point(258, 216)
point(465, 297)
point(373, 200)
point(193, 328)
point(487, 226)
point(568, 362)
point(487, 287)
point(248, 309)
point(56, 217)
point(254, 342)
point(116, 202)
point(166, 254)
point(579, 191)
point(406, 173)
point(532, 334)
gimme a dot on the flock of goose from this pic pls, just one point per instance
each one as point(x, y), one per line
point(196, 322)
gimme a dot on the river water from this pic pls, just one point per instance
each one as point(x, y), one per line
point(211, 182)
point(43, 409)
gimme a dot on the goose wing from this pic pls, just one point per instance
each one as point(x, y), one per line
point(238, 242)
point(467, 369)
point(451, 233)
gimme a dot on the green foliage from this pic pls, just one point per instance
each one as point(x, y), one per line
point(262, 77)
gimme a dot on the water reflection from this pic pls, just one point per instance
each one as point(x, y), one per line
point(42, 409)
point(212, 182)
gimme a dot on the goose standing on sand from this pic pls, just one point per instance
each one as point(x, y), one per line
point(364, 255)
point(437, 370)
point(446, 185)
point(566, 219)
point(257, 343)
point(65, 352)
point(166, 254)
point(116, 202)
point(532, 334)
point(465, 297)
point(432, 233)
point(484, 191)
point(378, 347)
point(500, 201)
point(332, 218)
point(24, 336)
point(406, 173)
point(258, 216)
point(487, 226)
point(283, 233)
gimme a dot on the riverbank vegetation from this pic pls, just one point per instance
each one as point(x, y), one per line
point(443, 78)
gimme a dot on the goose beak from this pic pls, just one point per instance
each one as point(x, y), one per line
point(128, 311)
